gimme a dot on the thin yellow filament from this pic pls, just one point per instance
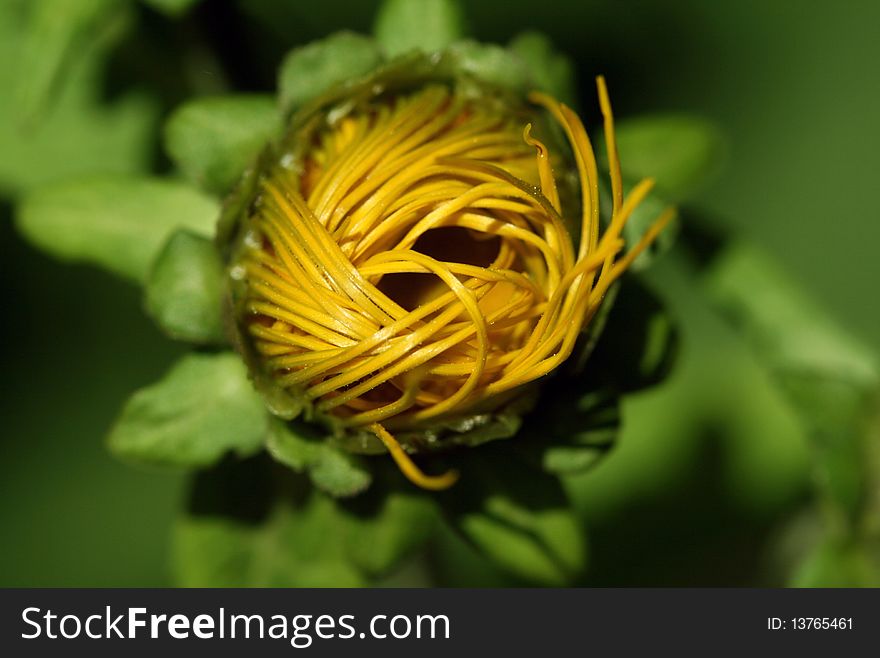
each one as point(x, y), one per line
point(416, 266)
point(409, 469)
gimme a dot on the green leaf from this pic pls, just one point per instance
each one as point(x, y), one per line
point(577, 419)
point(831, 379)
point(305, 450)
point(427, 25)
point(117, 223)
point(490, 63)
point(250, 527)
point(309, 71)
point(385, 526)
point(203, 408)
point(549, 71)
point(212, 140)
point(838, 564)
point(517, 516)
point(79, 130)
point(677, 151)
point(638, 345)
point(641, 219)
point(783, 324)
point(57, 33)
point(184, 291)
point(582, 429)
point(173, 8)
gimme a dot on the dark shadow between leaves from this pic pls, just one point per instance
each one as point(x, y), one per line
point(244, 490)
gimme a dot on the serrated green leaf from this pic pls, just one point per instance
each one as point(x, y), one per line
point(203, 408)
point(184, 291)
point(118, 223)
point(426, 25)
point(309, 71)
point(549, 71)
point(212, 140)
point(248, 527)
point(519, 517)
point(678, 151)
point(490, 63)
point(305, 450)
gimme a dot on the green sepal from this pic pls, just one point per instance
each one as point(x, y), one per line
point(549, 70)
point(213, 140)
point(309, 71)
point(517, 516)
point(305, 449)
point(490, 63)
point(202, 409)
point(184, 291)
point(118, 223)
point(429, 26)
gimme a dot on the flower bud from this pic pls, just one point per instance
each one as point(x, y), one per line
point(420, 250)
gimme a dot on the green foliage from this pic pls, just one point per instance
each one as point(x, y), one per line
point(212, 140)
point(203, 408)
point(58, 33)
point(387, 524)
point(676, 150)
point(549, 71)
point(54, 122)
point(254, 524)
point(426, 25)
point(184, 290)
point(310, 70)
point(491, 63)
point(117, 223)
point(832, 382)
point(172, 8)
point(305, 450)
point(250, 527)
point(517, 516)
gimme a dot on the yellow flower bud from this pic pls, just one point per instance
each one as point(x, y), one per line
point(408, 261)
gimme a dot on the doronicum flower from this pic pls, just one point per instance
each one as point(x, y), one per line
point(420, 250)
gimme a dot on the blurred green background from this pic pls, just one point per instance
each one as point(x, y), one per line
point(711, 466)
